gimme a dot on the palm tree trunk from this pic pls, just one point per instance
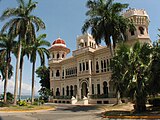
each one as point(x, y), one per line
point(5, 83)
point(20, 83)
point(17, 74)
point(32, 96)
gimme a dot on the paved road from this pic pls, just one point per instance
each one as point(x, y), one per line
point(63, 112)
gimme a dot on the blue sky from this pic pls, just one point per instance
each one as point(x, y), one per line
point(64, 18)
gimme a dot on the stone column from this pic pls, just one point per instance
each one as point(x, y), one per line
point(90, 87)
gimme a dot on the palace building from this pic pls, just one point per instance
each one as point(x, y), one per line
point(87, 72)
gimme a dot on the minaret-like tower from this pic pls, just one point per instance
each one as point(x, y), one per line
point(58, 50)
point(141, 21)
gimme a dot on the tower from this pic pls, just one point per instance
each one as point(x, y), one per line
point(141, 21)
point(58, 50)
point(86, 40)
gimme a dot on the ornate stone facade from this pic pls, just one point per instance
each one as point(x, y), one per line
point(87, 72)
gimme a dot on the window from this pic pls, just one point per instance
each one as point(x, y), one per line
point(57, 55)
point(92, 88)
point(97, 67)
point(85, 44)
point(86, 65)
point(67, 90)
point(53, 55)
point(107, 64)
point(63, 74)
point(63, 55)
point(57, 92)
point(57, 73)
point(105, 89)
point(63, 91)
point(80, 67)
point(104, 65)
point(141, 29)
point(98, 88)
point(101, 66)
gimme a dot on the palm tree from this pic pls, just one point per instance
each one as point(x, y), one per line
point(6, 47)
point(37, 47)
point(119, 69)
point(106, 22)
point(22, 24)
point(154, 75)
point(135, 64)
point(24, 52)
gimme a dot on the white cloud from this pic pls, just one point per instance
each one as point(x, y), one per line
point(26, 88)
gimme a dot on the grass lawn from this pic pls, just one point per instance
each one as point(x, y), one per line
point(126, 111)
point(25, 108)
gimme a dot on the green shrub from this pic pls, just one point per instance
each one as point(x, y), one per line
point(2, 104)
point(41, 102)
point(35, 103)
point(22, 103)
point(154, 101)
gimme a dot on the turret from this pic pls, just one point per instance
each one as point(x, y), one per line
point(86, 40)
point(141, 21)
point(58, 50)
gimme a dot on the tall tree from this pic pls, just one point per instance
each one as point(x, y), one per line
point(120, 68)
point(6, 47)
point(22, 24)
point(154, 75)
point(38, 47)
point(43, 73)
point(136, 63)
point(106, 21)
point(24, 52)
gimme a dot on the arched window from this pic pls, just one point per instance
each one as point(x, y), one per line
point(141, 29)
point(57, 55)
point(67, 90)
point(63, 91)
point(80, 67)
point(132, 32)
point(97, 67)
point(101, 66)
point(57, 92)
point(71, 91)
point(98, 89)
point(105, 65)
point(105, 89)
point(92, 88)
point(57, 73)
point(87, 67)
point(63, 55)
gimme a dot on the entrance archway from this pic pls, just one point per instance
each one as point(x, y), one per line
point(84, 90)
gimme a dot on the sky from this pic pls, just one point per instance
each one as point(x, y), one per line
point(64, 19)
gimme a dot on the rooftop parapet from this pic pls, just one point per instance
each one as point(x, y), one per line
point(135, 12)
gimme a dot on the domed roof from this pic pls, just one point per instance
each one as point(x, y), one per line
point(59, 45)
point(59, 41)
